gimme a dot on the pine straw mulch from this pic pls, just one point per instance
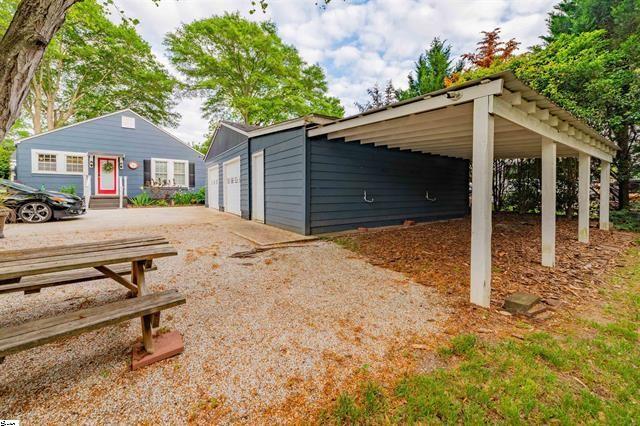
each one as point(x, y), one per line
point(437, 255)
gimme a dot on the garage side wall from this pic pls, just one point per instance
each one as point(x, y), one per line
point(284, 180)
point(241, 150)
point(396, 183)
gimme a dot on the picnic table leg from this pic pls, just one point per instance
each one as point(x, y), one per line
point(137, 276)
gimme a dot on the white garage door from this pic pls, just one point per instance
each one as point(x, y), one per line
point(231, 177)
point(213, 189)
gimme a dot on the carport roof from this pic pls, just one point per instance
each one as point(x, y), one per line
point(441, 122)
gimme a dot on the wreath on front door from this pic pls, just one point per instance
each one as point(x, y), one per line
point(107, 167)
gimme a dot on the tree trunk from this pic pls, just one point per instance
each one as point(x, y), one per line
point(21, 49)
point(51, 114)
point(624, 164)
point(37, 108)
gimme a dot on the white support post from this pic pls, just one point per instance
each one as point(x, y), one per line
point(482, 177)
point(605, 180)
point(548, 202)
point(121, 190)
point(584, 175)
point(86, 190)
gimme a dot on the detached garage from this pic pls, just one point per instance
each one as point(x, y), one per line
point(281, 176)
point(410, 160)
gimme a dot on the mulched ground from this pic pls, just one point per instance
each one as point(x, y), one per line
point(438, 255)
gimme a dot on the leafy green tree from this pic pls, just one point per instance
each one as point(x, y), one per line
point(605, 92)
point(431, 70)
point(245, 71)
point(32, 26)
point(7, 147)
point(92, 67)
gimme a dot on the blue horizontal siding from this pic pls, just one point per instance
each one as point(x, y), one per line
point(341, 171)
point(284, 180)
point(106, 135)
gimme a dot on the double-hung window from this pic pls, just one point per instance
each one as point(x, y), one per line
point(166, 172)
point(180, 173)
point(75, 163)
point(47, 163)
point(58, 162)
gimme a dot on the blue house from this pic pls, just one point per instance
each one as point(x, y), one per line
point(117, 154)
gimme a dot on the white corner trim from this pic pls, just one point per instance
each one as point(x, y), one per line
point(61, 162)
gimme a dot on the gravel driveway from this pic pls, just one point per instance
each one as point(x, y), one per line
point(266, 338)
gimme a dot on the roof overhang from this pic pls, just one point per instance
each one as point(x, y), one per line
point(441, 123)
point(291, 124)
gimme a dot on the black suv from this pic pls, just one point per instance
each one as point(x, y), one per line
point(35, 206)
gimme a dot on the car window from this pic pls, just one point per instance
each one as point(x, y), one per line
point(16, 186)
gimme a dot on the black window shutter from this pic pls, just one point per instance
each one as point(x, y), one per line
point(146, 170)
point(192, 174)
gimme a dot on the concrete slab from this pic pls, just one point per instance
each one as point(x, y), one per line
point(265, 235)
point(519, 303)
point(166, 345)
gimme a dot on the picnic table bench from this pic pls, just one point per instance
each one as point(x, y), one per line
point(32, 269)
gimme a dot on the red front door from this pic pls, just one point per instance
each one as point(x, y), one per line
point(107, 176)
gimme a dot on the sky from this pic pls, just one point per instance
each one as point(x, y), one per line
point(358, 43)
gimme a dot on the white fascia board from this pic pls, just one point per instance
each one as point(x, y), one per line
point(278, 127)
point(431, 103)
point(521, 118)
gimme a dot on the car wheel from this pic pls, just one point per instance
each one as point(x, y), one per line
point(35, 212)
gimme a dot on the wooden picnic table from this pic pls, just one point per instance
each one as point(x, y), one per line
point(48, 266)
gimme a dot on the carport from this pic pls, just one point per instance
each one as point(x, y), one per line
point(482, 120)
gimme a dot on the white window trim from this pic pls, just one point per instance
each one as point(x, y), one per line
point(170, 170)
point(61, 162)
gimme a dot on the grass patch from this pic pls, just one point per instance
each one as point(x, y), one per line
point(628, 219)
point(347, 243)
point(589, 375)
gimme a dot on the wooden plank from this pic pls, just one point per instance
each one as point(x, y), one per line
point(62, 257)
point(40, 332)
point(137, 276)
point(117, 278)
point(48, 322)
point(43, 255)
point(87, 261)
point(37, 251)
point(37, 282)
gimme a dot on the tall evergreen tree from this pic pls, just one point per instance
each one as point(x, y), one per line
point(430, 71)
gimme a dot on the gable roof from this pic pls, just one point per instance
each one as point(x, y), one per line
point(250, 131)
point(128, 110)
point(240, 126)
